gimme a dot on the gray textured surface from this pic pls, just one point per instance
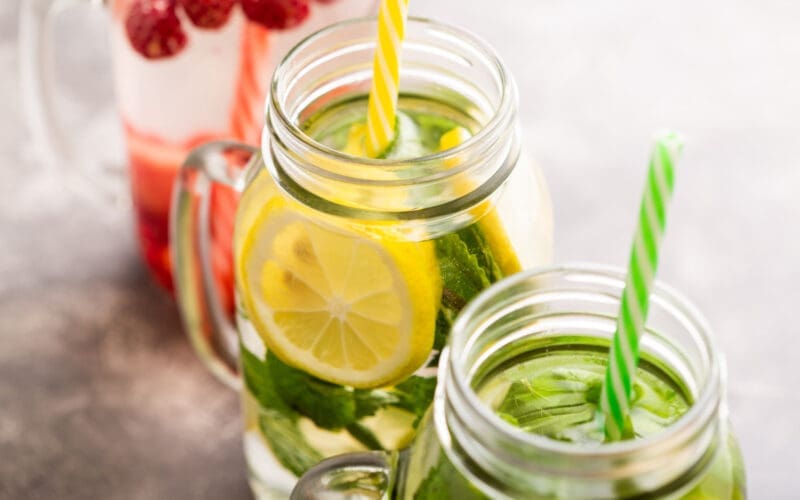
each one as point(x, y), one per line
point(100, 396)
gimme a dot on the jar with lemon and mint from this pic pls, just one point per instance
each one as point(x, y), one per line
point(349, 270)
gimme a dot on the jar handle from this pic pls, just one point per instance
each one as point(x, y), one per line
point(36, 78)
point(367, 475)
point(212, 333)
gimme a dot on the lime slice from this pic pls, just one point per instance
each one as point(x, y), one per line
point(346, 307)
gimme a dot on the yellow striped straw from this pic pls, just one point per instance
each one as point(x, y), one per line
point(382, 108)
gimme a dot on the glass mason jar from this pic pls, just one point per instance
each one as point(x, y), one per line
point(210, 83)
point(349, 271)
point(465, 450)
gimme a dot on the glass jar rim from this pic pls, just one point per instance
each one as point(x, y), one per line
point(708, 394)
point(465, 37)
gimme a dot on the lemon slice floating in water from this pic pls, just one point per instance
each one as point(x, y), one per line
point(490, 223)
point(341, 305)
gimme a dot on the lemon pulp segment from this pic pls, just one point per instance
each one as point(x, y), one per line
point(490, 223)
point(343, 306)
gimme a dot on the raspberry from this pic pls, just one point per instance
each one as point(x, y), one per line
point(208, 14)
point(154, 29)
point(276, 14)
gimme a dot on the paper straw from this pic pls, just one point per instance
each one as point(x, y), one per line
point(624, 353)
point(382, 108)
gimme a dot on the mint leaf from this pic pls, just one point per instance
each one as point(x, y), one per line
point(544, 412)
point(329, 406)
point(256, 378)
point(277, 422)
point(415, 395)
point(475, 240)
point(467, 266)
point(462, 275)
point(335, 407)
point(287, 442)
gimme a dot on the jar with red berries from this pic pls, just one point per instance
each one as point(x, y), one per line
point(185, 72)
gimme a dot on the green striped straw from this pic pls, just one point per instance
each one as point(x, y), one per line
point(624, 353)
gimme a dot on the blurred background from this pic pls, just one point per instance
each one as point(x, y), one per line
point(100, 394)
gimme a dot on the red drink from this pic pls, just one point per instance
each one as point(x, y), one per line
point(179, 85)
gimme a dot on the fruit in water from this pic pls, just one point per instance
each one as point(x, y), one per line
point(154, 29)
point(276, 14)
point(343, 306)
point(208, 14)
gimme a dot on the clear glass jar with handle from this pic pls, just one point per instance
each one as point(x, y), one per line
point(524, 366)
point(185, 72)
point(349, 271)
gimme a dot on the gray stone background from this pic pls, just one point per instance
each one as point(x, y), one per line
point(100, 395)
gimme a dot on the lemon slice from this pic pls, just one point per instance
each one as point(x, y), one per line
point(453, 138)
point(489, 222)
point(343, 306)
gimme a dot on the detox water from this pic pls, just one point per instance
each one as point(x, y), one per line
point(556, 392)
point(322, 303)
point(552, 388)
